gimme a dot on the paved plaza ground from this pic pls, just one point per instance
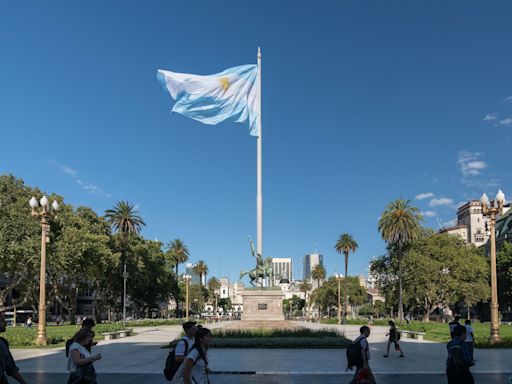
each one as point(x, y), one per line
point(140, 359)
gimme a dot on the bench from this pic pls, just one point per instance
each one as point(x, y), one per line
point(412, 334)
point(117, 334)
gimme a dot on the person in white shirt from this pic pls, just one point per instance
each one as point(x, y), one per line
point(194, 369)
point(470, 338)
point(79, 355)
point(182, 350)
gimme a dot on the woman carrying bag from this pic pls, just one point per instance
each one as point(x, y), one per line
point(394, 336)
point(194, 369)
point(80, 360)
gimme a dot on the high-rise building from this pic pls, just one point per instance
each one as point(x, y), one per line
point(281, 269)
point(189, 270)
point(310, 261)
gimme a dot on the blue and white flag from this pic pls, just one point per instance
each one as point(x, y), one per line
point(231, 95)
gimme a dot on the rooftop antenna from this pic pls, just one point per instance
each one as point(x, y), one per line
point(316, 247)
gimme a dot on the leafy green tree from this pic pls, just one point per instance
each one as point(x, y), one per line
point(293, 304)
point(345, 245)
point(326, 296)
point(225, 304)
point(124, 220)
point(443, 270)
point(20, 236)
point(504, 271)
point(398, 226)
point(77, 256)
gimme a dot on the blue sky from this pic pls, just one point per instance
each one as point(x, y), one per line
point(363, 102)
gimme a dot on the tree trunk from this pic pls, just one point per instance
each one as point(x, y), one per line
point(400, 305)
point(345, 307)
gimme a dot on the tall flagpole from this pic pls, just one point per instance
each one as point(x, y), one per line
point(259, 195)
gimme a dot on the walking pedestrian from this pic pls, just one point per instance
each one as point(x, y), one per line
point(470, 338)
point(87, 324)
point(394, 337)
point(7, 365)
point(184, 346)
point(194, 369)
point(453, 324)
point(28, 323)
point(458, 361)
point(362, 366)
point(80, 360)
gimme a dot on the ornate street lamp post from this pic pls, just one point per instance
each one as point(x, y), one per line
point(187, 279)
point(338, 279)
point(43, 211)
point(491, 210)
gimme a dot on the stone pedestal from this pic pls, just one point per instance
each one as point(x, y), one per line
point(263, 304)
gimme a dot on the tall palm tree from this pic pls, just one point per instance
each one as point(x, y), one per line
point(318, 273)
point(124, 220)
point(202, 270)
point(213, 287)
point(179, 252)
point(398, 226)
point(305, 287)
point(345, 245)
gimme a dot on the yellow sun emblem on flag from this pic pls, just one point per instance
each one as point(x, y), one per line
point(224, 83)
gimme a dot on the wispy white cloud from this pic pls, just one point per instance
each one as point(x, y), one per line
point(509, 99)
point(429, 213)
point(437, 202)
point(507, 121)
point(490, 117)
point(469, 163)
point(91, 188)
point(449, 223)
point(425, 195)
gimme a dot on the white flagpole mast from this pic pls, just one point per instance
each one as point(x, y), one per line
point(259, 195)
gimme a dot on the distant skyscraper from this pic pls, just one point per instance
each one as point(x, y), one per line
point(189, 270)
point(310, 261)
point(281, 268)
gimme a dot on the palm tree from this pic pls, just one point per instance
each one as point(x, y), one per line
point(345, 245)
point(305, 287)
point(213, 286)
point(178, 252)
point(124, 220)
point(398, 226)
point(318, 273)
point(202, 270)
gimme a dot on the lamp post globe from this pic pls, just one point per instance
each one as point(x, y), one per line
point(500, 197)
point(484, 199)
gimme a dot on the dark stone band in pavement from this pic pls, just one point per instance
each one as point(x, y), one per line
point(124, 378)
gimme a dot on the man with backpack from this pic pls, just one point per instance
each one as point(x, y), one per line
point(358, 355)
point(459, 359)
point(180, 352)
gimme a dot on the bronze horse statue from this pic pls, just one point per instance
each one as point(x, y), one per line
point(262, 270)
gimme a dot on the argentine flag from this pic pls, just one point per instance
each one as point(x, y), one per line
point(231, 95)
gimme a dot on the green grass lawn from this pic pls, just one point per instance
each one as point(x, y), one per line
point(57, 334)
point(440, 332)
point(300, 338)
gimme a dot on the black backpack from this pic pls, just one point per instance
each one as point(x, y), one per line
point(354, 357)
point(171, 365)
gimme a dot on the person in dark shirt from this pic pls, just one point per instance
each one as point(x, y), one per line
point(453, 324)
point(7, 365)
point(459, 359)
point(393, 339)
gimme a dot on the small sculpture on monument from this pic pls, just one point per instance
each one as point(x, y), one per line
point(262, 270)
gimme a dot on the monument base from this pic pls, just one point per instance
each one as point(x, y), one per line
point(263, 304)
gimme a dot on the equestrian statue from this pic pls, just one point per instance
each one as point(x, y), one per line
point(262, 270)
